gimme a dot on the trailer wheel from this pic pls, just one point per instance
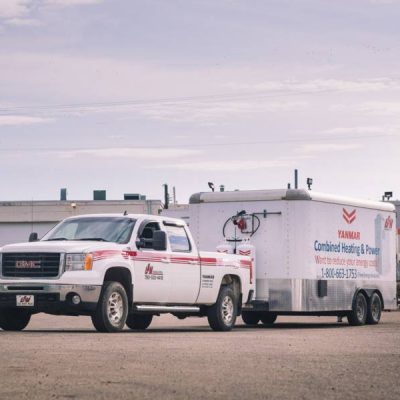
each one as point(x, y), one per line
point(268, 318)
point(374, 310)
point(14, 319)
point(112, 308)
point(358, 315)
point(139, 321)
point(250, 317)
point(222, 314)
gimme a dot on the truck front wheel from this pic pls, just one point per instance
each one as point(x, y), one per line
point(358, 315)
point(139, 321)
point(112, 308)
point(222, 314)
point(14, 319)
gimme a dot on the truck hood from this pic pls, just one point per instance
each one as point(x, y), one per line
point(61, 247)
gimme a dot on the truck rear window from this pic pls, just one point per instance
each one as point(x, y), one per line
point(178, 238)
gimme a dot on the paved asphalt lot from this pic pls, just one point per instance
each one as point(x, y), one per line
point(296, 358)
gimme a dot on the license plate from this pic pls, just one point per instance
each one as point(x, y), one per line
point(25, 300)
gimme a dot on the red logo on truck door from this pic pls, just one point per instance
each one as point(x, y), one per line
point(150, 273)
point(349, 216)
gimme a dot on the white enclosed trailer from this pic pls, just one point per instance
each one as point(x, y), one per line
point(315, 254)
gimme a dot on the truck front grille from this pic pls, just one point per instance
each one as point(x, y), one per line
point(31, 265)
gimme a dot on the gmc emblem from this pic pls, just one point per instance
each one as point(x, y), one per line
point(24, 264)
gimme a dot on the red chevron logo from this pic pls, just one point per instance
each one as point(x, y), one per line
point(349, 216)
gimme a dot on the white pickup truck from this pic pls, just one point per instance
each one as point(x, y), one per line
point(121, 269)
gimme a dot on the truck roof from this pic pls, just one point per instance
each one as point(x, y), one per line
point(286, 194)
point(134, 216)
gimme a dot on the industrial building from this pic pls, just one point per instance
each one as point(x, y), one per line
point(18, 219)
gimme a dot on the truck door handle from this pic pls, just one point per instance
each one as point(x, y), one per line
point(165, 260)
point(193, 262)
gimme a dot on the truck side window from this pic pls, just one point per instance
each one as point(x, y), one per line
point(178, 238)
point(146, 235)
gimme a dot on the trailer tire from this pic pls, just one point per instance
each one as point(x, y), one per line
point(222, 314)
point(250, 317)
point(14, 319)
point(268, 318)
point(374, 310)
point(139, 321)
point(358, 315)
point(112, 308)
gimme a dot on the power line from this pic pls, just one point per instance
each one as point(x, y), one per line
point(328, 138)
point(161, 101)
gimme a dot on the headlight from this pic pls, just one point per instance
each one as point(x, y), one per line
point(78, 262)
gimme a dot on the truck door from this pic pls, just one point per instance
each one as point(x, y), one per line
point(184, 272)
point(152, 267)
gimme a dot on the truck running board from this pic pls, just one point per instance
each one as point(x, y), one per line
point(168, 309)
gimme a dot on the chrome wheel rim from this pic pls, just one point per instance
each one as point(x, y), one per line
point(227, 310)
point(115, 308)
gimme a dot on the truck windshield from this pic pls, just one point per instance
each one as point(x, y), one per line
point(104, 229)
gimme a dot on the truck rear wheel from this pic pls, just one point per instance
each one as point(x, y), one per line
point(139, 321)
point(222, 314)
point(268, 318)
point(14, 319)
point(250, 317)
point(374, 310)
point(112, 308)
point(358, 315)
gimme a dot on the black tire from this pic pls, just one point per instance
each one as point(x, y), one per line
point(112, 308)
point(14, 319)
point(222, 314)
point(139, 321)
point(358, 315)
point(374, 310)
point(250, 317)
point(268, 318)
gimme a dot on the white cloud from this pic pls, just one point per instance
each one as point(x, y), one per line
point(321, 85)
point(161, 93)
point(129, 152)
point(361, 130)
point(385, 108)
point(198, 111)
point(18, 12)
point(230, 165)
point(380, 108)
point(21, 120)
point(353, 130)
point(311, 148)
point(14, 8)
point(23, 22)
point(384, 1)
point(68, 3)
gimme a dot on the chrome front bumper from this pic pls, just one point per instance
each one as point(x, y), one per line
point(53, 298)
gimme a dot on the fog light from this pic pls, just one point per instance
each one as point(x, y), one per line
point(76, 299)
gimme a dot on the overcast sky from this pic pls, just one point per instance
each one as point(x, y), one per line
point(125, 95)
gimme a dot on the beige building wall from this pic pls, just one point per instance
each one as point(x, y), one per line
point(20, 218)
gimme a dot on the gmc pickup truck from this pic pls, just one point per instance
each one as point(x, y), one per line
point(121, 269)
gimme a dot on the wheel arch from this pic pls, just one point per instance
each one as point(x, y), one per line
point(236, 283)
point(368, 292)
point(122, 275)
